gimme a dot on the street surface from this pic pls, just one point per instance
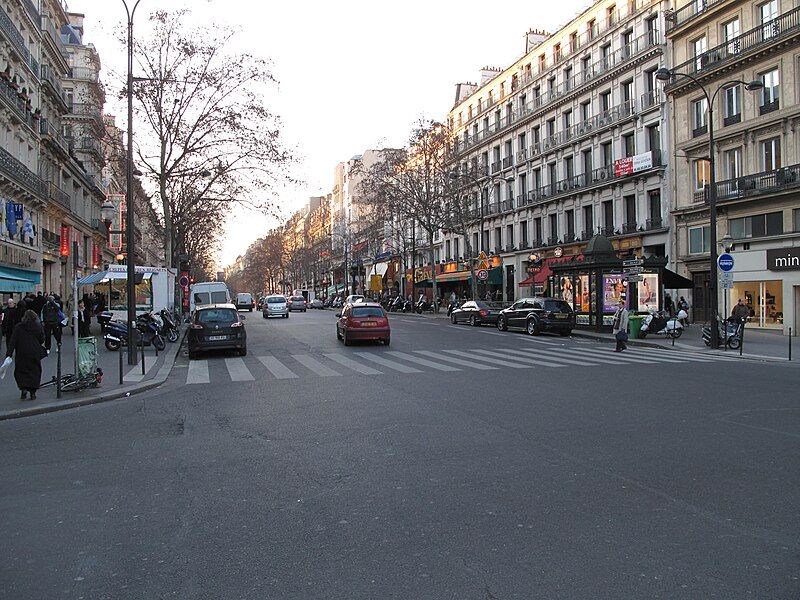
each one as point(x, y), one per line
point(457, 463)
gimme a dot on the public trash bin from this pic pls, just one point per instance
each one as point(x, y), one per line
point(635, 323)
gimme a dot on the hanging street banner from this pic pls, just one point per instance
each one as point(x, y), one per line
point(64, 247)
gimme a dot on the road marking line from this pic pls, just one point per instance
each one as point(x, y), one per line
point(314, 365)
point(688, 355)
point(388, 363)
point(353, 364)
point(550, 356)
point(493, 333)
point(135, 372)
point(578, 354)
point(659, 354)
point(539, 340)
point(422, 361)
point(663, 359)
point(610, 355)
point(457, 361)
point(535, 361)
point(276, 367)
point(198, 372)
point(238, 370)
point(492, 361)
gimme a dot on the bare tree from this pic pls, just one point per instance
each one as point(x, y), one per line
point(206, 121)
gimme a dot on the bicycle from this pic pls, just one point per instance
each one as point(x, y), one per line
point(73, 383)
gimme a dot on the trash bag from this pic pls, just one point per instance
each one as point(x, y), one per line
point(4, 367)
point(87, 356)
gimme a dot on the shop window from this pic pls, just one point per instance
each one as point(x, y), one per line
point(763, 298)
point(699, 240)
point(756, 226)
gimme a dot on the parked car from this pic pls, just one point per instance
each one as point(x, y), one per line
point(315, 303)
point(275, 306)
point(536, 315)
point(362, 321)
point(475, 312)
point(354, 298)
point(244, 300)
point(297, 303)
point(217, 327)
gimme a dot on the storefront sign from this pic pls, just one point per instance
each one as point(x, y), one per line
point(647, 291)
point(97, 255)
point(65, 235)
point(633, 164)
point(783, 259)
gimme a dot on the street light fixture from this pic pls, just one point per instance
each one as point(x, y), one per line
point(666, 75)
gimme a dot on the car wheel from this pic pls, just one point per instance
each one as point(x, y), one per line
point(642, 334)
point(532, 327)
point(386, 341)
point(192, 355)
point(453, 319)
point(472, 321)
point(338, 334)
point(676, 333)
point(243, 351)
point(501, 324)
point(264, 315)
point(346, 339)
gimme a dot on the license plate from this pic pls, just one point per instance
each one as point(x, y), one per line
point(217, 338)
point(368, 324)
point(561, 316)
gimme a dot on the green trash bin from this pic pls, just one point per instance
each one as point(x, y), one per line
point(635, 326)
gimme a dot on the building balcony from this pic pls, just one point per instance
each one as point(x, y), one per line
point(552, 240)
point(54, 35)
point(761, 184)
point(496, 166)
point(56, 194)
point(630, 227)
point(506, 205)
point(14, 37)
point(769, 107)
point(570, 237)
point(14, 100)
point(654, 223)
point(522, 156)
point(92, 111)
point(32, 11)
point(51, 133)
point(587, 234)
point(684, 14)
point(698, 131)
point(732, 120)
point(16, 171)
point(508, 162)
point(752, 41)
point(53, 84)
point(84, 74)
point(90, 144)
point(607, 231)
point(650, 99)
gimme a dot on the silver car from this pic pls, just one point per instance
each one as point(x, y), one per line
point(275, 306)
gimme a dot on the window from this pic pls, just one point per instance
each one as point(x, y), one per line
point(627, 91)
point(701, 174)
point(523, 184)
point(605, 54)
point(653, 138)
point(568, 79)
point(770, 95)
point(733, 105)
point(771, 154)
point(588, 221)
point(586, 67)
point(730, 31)
point(569, 217)
point(573, 41)
point(756, 226)
point(699, 240)
point(796, 220)
point(607, 154)
point(569, 169)
point(630, 211)
point(699, 47)
point(628, 145)
point(733, 160)
point(567, 119)
point(552, 177)
point(591, 28)
point(537, 137)
point(767, 13)
point(475, 248)
point(523, 233)
point(521, 142)
point(456, 253)
point(699, 112)
point(551, 127)
point(654, 204)
point(537, 178)
point(553, 228)
point(498, 238)
point(625, 41)
point(605, 101)
point(586, 110)
point(608, 215)
point(537, 230)
point(587, 162)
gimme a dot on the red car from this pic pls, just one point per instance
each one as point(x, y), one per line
point(363, 321)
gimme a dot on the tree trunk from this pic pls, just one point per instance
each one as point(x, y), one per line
point(433, 271)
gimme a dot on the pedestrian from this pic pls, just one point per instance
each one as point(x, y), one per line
point(26, 349)
point(51, 320)
point(453, 297)
point(38, 303)
point(669, 307)
point(620, 328)
point(10, 319)
point(84, 320)
point(740, 312)
point(683, 305)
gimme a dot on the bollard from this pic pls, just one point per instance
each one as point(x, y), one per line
point(142, 345)
point(741, 338)
point(58, 371)
point(674, 324)
point(120, 362)
point(790, 343)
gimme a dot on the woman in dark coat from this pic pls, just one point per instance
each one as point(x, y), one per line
point(26, 345)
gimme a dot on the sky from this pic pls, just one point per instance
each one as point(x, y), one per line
point(353, 74)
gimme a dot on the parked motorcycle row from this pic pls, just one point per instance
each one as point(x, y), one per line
point(659, 323)
point(153, 329)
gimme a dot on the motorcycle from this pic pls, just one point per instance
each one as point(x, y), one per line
point(396, 305)
point(730, 333)
point(451, 307)
point(425, 306)
point(169, 329)
point(657, 323)
point(408, 306)
point(116, 333)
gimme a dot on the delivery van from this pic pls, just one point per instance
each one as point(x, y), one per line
point(208, 292)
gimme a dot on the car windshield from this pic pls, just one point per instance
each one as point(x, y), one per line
point(201, 298)
point(367, 311)
point(276, 300)
point(557, 306)
point(217, 315)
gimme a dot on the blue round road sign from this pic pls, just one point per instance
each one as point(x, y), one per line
point(725, 262)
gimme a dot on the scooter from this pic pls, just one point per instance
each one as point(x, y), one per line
point(408, 306)
point(169, 329)
point(657, 323)
point(425, 306)
point(396, 305)
point(116, 333)
point(451, 307)
point(730, 333)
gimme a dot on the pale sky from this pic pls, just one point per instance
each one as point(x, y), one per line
point(353, 74)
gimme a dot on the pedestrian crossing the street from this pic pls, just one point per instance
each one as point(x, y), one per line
point(415, 362)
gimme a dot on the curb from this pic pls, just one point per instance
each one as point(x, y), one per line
point(122, 392)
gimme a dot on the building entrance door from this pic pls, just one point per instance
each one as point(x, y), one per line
point(701, 297)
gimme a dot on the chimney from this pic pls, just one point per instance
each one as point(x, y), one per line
point(489, 73)
point(534, 37)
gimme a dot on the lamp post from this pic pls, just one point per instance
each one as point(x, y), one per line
point(129, 226)
point(666, 75)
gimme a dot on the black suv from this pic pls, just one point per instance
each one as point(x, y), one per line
point(217, 327)
point(536, 315)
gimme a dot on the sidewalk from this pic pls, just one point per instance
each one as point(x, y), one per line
point(156, 371)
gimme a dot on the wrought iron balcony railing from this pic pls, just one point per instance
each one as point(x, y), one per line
point(56, 194)
point(14, 169)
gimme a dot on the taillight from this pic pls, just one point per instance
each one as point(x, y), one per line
point(353, 323)
point(196, 326)
point(237, 324)
point(483, 313)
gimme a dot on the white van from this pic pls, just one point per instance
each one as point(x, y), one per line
point(208, 292)
point(244, 300)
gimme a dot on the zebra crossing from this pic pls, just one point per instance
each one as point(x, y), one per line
point(448, 360)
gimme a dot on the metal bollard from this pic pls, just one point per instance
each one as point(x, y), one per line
point(741, 338)
point(790, 343)
point(58, 371)
point(674, 323)
point(142, 345)
point(120, 362)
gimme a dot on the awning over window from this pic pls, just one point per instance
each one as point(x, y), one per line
point(455, 276)
point(379, 269)
point(18, 280)
point(673, 281)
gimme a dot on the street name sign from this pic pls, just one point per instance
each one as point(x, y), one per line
point(635, 278)
point(633, 262)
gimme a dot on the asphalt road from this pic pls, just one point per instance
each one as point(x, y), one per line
point(552, 468)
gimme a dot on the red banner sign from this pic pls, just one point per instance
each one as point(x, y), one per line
point(97, 255)
point(65, 240)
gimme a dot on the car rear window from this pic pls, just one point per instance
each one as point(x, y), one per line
point(367, 311)
point(201, 298)
point(219, 297)
point(298, 299)
point(217, 315)
point(276, 300)
point(557, 306)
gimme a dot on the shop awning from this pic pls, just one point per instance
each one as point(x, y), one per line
point(379, 269)
point(18, 280)
point(454, 276)
point(673, 281)
point(526, 282)
point(104, 276)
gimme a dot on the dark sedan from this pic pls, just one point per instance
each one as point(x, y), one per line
point(475, 312)
point(217, 327)
point(536, 315)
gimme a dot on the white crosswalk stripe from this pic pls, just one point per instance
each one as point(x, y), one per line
point(472, 364)
point(661, 358)
point(550, 356)
point(198, 372)
point(536, 362)
point(238, 370)
point(423, 362)
point(135, 372)
point(353, 364)
point(389, 363)
point(617, 357)
point(490, 360)
point(277, 368)
point(579, 355)
point(314, 365)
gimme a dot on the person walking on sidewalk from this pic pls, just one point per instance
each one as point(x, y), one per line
point(10, 319)
point(620, 328)
point(83, 320)
point(740, 312)
point(51, 319)
point(26, 348)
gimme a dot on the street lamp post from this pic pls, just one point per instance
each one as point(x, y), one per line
point(129, 225)
point(666, 75)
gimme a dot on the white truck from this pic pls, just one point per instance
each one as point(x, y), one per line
point(208, 292)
